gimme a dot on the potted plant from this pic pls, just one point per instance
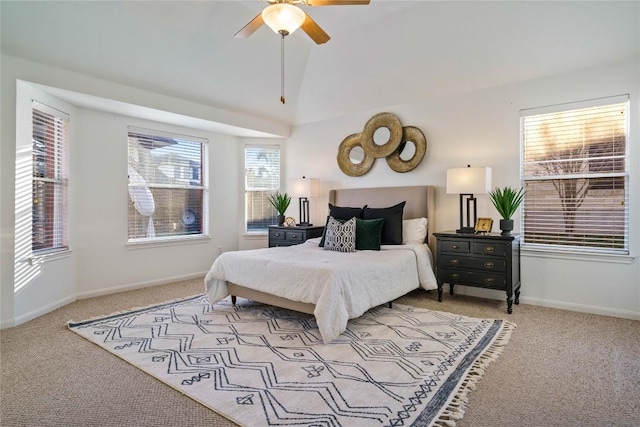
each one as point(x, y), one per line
point(506, 200)
point(280, 202)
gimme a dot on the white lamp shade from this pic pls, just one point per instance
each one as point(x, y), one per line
point(283, 17)
point(304, 187)
point(468, 180)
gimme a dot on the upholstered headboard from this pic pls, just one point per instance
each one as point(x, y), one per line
point(420, 201)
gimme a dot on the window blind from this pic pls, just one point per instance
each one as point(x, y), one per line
point(575, 172)
point(50, 180)
point(262, 178)
point(167, 185)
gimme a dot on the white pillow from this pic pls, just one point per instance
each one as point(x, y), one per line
point(414, 230)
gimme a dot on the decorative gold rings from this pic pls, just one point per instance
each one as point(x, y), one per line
point(347, 166)
point(409, 134)
point(398, 138)
point(391, 122)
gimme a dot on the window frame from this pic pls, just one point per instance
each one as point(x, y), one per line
point(258, 231)
point(60, 240)
point(589, 252)
point(187, 237)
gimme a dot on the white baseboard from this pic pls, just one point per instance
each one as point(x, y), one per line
point(582, 308)
point(8, 323)
point(43, 310)
point(139, 285)
point(542, 302)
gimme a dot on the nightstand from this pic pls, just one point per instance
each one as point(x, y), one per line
point(288, 236)
point(490, 261)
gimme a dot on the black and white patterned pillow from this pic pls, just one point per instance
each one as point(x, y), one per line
point(340, 237)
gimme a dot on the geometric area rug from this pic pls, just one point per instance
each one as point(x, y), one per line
point(259, 365)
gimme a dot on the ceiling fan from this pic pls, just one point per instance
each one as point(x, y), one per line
point(286, 16)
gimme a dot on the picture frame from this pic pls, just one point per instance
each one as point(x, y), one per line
point(483, 225)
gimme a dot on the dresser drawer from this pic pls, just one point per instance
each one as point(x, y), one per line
point(277, 234)
point(467, 262)
point(295, 236)
point(490, 248)
point(455, 246)
point(485, 280)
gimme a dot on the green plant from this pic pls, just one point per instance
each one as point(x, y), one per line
point(506, 200)
point(280, 202)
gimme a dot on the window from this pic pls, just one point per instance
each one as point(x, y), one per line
point(50, 182)
point(167, 185)
point(575, 171)
point(261, 179)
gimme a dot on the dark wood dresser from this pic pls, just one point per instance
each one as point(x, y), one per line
point(490, 261)
point(288, 236)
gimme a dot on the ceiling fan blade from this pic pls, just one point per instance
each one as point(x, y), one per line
point(336, 2)
point(250, 28)
point(314, 31)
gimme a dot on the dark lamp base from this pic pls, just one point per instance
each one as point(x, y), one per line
point(466, 230)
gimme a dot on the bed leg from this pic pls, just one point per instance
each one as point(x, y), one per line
point(390, 304)
point(233, 300)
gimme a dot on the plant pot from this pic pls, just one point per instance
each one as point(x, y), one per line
point(280, 219)
point(506, 225)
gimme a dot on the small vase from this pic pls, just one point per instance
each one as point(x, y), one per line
point(280, 220)
point(506, 225)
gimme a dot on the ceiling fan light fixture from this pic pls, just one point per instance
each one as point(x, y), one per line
point(283, 18)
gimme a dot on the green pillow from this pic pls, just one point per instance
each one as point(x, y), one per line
point(368, 233)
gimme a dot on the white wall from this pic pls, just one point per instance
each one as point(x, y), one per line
point(100, 261)
point(482, 129)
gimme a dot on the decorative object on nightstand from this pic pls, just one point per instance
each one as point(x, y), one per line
point(289, 236)
point(506, 200)
point(304, 188)
point(483, 225)
point(490, 261)
point(466, 182)
point(280, 202)
point(290, 221)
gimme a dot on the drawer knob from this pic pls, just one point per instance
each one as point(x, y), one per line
point(455, 261)
point(276, 234)
point(489, 265)
point(455, 276)
point(488, 280)
point(455, 247)
point(489, 249)
point(294, 236)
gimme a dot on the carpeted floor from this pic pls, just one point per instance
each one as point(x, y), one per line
point(560, 368)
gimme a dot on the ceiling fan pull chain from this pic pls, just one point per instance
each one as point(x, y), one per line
point(282, 68)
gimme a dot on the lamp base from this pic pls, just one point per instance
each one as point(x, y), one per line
point(466, 230)
point(304, 224)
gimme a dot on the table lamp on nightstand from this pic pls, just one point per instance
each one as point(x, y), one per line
point(303, 188)
point(466, 182)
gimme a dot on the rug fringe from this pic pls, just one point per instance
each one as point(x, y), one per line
point(455, 409)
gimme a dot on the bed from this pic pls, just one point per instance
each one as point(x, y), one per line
point(333, 286)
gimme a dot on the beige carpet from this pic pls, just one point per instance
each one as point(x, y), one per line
point(560, 368)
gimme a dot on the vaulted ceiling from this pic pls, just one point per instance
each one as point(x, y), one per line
point(386, 53)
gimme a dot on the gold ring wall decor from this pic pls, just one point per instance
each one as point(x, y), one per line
point(389, 121)
point(398, 138)
point(344, 160)
point(409, 134)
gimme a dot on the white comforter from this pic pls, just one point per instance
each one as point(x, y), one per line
point(341, 285)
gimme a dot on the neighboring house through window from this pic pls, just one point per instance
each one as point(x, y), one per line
point(50, 180)
point(575, 172)
point(167, 185)
point(261, 179)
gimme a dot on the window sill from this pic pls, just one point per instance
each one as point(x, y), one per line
point(578, 256)
point(48, 257)
point(258, 235)
point(168, 241)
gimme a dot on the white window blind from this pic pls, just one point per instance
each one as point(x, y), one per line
point(167, 185)
point(50, 181)
point(575, 171)
point(261, 178)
